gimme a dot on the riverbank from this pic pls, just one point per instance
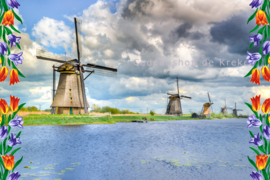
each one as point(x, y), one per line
point(48, 119)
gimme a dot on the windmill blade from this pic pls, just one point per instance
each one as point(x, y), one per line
point(209, 97)
point(95, 66)
point(172, 94)
point(102, 72)
point(185, 97)
point(239, 109)
point(177, 86)
point(41, 54)
point(78, 36)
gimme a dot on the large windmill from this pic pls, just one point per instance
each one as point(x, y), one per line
point(70, 97)
point(207, 107)
point(235, 110)
point(174, 106)
point(225, 108)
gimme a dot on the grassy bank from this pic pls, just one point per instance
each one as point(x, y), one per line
point(41, 119)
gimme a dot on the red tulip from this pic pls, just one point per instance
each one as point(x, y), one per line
point(8, 161)
point(14, 103)
point(255, 76)
point(261, 18)
point(8, 18)
point(13, 77)
point(261, 161)
point(3, 106)
point(3, 73)
point(266, 73)
point(266, 106)
point(256, 104)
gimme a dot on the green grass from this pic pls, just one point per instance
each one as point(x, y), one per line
point(43, 119)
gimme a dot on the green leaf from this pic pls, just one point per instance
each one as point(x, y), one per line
point(17, 163)
point(252, 16)
point(4, 36)
point(19, 72)
point(4, 5)
point(19, 108)
point(260, 62)
point(8, 30)
point(5, 174)
point(264, 5)
point(8, 149)
point(255, 150)
point(254, 67)
point(8, 62)
point(265, 36)
point(0, 148)
point(8, 50)
point(252, 135)
point(266, 120)
point(18, 45)
point(250, 107)
point(261, 149)
point(265, 144)
point(265, 174)
point(13, 152)
point(250, 46)
point(9, 128)
point(254, 29)
point(0, 31)
point(18, 135)
point(14, 29)
point(261, 31)
point(261, 118)
point(253, 163)
point(4, 145)
point(17, 17)
point(261, 128)
point(3, 60)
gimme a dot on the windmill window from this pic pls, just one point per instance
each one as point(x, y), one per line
point(69, 90)
point(71, 99)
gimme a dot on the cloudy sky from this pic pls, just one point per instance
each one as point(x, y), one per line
point(127, 34)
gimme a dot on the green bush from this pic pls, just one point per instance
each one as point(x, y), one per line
point(152, 113)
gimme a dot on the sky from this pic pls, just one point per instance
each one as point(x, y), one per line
point(147, 41)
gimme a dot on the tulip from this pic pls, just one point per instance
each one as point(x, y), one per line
point(15, 4)
point(261, 161)
point(3, 106)
point(8, 18)
point(16, 58)
point(261, 18)
point(266, 106)
point(14, 140)
point(256, 104)
point(8, 161)
point(269, 60)
point(0, 119)
point(13, 39)
point(266, 131)
point(256, 176)
point(3, 48)
point(255, 76)
point(13, 176)
point(252, 58)
point(253, 121)
point(256, 3)
point(266, 47)
point(3, 132)
point(256, 39)
point(14, 103)
point(266, 73)
point(13, 77)
point(256, 140)
point(16, 122)
point(3, 73)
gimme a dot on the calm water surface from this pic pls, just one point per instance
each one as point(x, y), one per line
point(172, 150)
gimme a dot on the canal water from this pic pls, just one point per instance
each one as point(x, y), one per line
point(164, 150)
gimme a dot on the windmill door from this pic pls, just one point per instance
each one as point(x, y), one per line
point(71, 110)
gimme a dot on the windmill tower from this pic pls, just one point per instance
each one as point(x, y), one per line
point(174, 106)
point(70, 97)
point(235, 111)
point(207, 107)
point(225, 108)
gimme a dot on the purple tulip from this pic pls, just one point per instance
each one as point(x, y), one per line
point(266, 47)
point(3, 48)
point(256, 176)
point(256, 39)
point(256, 3)
point(16, 122)
point(252, 58)
point(3, 132)
point(13, 40)
point(13, 140)
point(266, 131)
point(256, 140)
point(13, 3)
point(16, 58)
point(253, 121)
point(13, 176)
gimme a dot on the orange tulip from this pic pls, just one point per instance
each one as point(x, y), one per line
point(8, 18)
point(269, 60)
point(14, 103)
point(261, 18)
point(0, 119)
point(3, 73)
point(0, 61)
point(13, 77)
point(3, 106)
point(261, 161)
point(8, 162)
point(255, 76)
point(266, 106)
point(256, 104)
point(266, 73)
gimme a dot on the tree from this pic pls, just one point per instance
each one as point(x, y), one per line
point(152, 112)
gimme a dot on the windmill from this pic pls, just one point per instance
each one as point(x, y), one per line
point(235, 111)
point(70, 97)
point(224, 109)
point(207, 107)
point(174, 106)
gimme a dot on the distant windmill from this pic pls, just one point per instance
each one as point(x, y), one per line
point(224, 109)
point(174, 106)
point(235, 111)
point(207, 107)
